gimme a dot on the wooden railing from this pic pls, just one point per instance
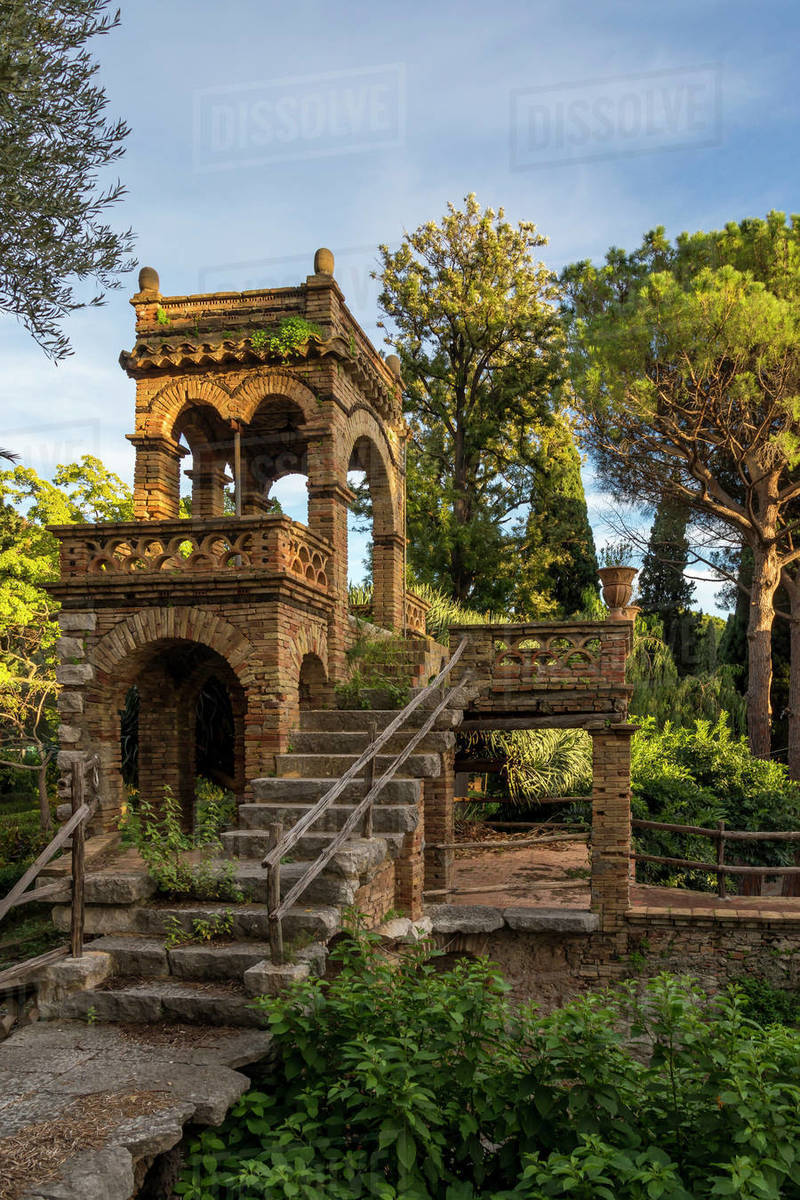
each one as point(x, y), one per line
point(281, 844)
point(75, 828)
point(720, 835)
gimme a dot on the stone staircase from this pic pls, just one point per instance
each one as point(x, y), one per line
point(136, 978)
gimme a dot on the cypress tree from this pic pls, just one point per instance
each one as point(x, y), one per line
point(663, 587)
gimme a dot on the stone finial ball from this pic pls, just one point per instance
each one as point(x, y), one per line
point(393, 363)
point(148, 279)
point(323, 262)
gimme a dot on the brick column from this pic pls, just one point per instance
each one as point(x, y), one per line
point(409, 869)
point(156, 477)
point(328, 506)
point(208, 488)
point(387, 571)
point(611, 824)
point(440, 827)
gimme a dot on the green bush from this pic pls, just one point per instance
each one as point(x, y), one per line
point(164, 845)
point(700, 776)
point(766, 1004)
point(375, 665)
point(398, 1080)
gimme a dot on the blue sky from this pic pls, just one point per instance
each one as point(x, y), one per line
point(261, 131)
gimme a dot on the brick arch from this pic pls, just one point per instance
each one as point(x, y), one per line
point(168, 404)
point(386, 491)
point(128, 640)
point(260, 385)
point(309, 641)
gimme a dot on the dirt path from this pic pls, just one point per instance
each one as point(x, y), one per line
point(526, 877)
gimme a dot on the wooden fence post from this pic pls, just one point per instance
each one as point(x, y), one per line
point(721, 860)
point(274, 897)
point(78, 865)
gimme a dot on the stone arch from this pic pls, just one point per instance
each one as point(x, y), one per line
point(309, 640)
point(120, 645)
point(258, 386)
point(382, 470)
point(167, 405)
point(309, 665)
point(169, 653)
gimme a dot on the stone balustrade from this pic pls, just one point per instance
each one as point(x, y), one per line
point(194, 547)
point(579, 659)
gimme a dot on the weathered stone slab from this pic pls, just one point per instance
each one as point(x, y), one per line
point(265, 979)
point(135, 955)
point(45, 1070)
point(551, 920)
point(119, 887)
point(465, 918)
point(70, 975)
point(70, 647)
point(77, 622)
point(105, 1174)
point(74, 674)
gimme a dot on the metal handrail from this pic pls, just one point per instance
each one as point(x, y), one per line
point(281, 843)
point(290, 840)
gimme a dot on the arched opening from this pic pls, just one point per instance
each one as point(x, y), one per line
point(375, 559)
point(313, 684)
point(207, 477)
point(289, 495)
point(274, 446)
point(181, 723)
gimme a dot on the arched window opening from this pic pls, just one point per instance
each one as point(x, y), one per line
point(289, 495)
point(313, 685)
point(359, 531)
point(274, 445)
point(206, 482)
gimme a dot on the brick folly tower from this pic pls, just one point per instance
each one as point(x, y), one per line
point(244, 612)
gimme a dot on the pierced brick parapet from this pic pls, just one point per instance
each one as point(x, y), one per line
point(555, 668)
point(273, 543)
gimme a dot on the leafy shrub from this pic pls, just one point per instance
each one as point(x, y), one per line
point(163, 844)
point(766, 1004)
point(376, 665)
point(397, 1080)
point(701, 776)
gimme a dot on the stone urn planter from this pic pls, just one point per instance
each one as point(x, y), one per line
point(617, 583)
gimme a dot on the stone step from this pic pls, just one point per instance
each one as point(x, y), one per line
point(167, 1000)
point(387, 818)
point(318, 921)
point(250, 921)
point(272, 790)
point(312, 766)
point(335, 720)
point(252, 843)
point(150, 958)
point(307, 741)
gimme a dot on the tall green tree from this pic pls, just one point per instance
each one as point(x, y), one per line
point(78, 492)
point(555, 538)
point(686, 366)
point(54, 142)
point(663, 586)
point(474, 321)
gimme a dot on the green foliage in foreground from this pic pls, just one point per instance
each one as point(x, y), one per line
point(701, 776)
point(398, 1080)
